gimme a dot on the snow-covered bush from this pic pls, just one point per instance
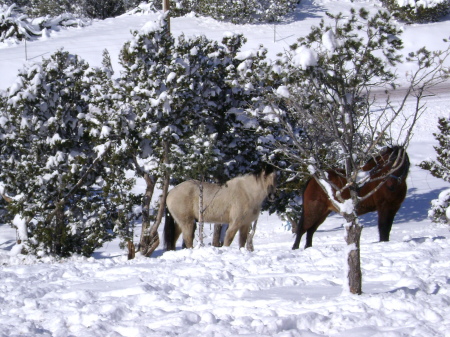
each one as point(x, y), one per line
point(417, 11)
point(38, 8)
point(63, 20)
point(246, 11)
point(50, 167)
point(440, 208)
point(440, 168)
point(102, 9)
point(239, 12)
point(15, 25)
point(94, 9)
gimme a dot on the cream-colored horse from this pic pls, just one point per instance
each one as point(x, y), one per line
point(237, 203)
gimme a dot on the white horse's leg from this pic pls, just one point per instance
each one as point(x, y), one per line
point(188, 234)
point(243, 234)
point(229, 235)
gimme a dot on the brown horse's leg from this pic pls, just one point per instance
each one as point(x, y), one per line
point(316, 208)
point(312, 217)
point(385, 219)
point(299, 234)
point(320, 217)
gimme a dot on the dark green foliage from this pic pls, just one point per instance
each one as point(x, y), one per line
point(102, 9)
point(39, 8)
point(418, 13)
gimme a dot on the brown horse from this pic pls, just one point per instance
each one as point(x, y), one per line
point(385, 191)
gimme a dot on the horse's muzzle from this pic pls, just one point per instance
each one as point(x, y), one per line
point(271, 197)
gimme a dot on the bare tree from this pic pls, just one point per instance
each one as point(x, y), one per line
point(149, 236)
point(329, 112)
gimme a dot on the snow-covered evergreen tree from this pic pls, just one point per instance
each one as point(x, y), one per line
point(110, 129)
point(167, 91)
point(102, 9)
point(222, 82)
point(239, 12)
point(416, 11)
point(440, 168)
point(14, 25)
point(50, 167)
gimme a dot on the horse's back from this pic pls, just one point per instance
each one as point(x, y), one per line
point(183, 201)
point(222, 203)
point(182, 193)
point(315, 198)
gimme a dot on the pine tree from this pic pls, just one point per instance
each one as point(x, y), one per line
point(143, 99)
point(110, 134)
point(440, 168)
point(168, 90)
point(49, 166)
point(102, 9)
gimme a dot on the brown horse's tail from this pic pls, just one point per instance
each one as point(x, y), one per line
point(298, 235)
point(169, 231)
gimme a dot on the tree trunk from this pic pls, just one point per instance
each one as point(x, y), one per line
point(131, 250)
point(146, 200)
point(353, 258)
point(166, 7)
point(251, 234)
point(201, 222)
point(217, 235)
point(58, 233)
point(150, 237)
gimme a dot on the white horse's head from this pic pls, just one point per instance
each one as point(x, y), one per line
point(269, 178)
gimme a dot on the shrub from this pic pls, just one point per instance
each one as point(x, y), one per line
point(14, 25)
point(247, 11)
point(417, 11)
point(440, 168)
point(50, 164)
point(238, 12)
point(440, 208)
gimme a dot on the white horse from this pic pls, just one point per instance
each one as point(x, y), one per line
point(237, 203)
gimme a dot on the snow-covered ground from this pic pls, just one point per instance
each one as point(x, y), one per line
point(272, 291)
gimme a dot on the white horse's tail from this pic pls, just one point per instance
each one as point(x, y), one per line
point(169, 231)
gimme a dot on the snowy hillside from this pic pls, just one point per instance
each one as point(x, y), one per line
point(272, 291)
